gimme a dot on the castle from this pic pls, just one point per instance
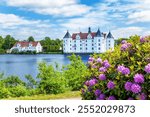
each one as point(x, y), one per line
point(90, 42)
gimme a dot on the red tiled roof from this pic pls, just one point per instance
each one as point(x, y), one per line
point(84, 35)
point(26, 43)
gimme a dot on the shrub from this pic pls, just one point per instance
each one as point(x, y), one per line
point(4, 93)
point(51, 80)
point(18, 91)
point(75, 72)
point(120, 74)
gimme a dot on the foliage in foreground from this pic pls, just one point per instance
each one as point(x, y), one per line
point(122, 74)
point(51, 80)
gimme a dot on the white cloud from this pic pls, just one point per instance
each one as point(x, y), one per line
point(141, 16)
point(127, 31)
point(51, 7)
point(21, 28)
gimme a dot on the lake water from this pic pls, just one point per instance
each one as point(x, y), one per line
point(21, 65)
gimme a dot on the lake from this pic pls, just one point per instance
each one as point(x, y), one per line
point(21, 65)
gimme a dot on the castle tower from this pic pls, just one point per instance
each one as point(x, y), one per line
point(67, 43)
point(109, 41)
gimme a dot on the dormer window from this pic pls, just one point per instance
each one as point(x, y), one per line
point(89, 36)
point(77, 37)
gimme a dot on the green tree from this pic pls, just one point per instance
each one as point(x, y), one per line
point(51, 80)
point(76, 72)
point(8, 42)
point(30, 39)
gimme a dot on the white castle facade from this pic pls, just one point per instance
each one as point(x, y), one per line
point(90, 42)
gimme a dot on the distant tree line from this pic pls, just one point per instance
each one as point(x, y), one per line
point(48, 44)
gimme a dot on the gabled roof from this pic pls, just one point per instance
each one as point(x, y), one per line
point(83, 35)
point(98, 33)
point(26, 43)
point(109, 35)
point(67, 35)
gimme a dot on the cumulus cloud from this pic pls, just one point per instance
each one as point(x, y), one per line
point(127, 31)
point(10, 20)
point(123, 19)
point(51, 7)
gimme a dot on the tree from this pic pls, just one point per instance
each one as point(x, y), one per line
point(8, 42)
point(30, 39)
point(75, 72)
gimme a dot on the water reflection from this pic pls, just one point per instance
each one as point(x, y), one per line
point(21, 65)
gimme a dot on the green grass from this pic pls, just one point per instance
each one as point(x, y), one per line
point(67, 95)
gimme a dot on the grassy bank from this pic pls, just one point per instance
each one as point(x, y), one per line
point(67, 95)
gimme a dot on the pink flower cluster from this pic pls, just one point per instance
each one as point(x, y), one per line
point(125, 45)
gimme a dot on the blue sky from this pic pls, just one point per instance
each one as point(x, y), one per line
point(40, 18)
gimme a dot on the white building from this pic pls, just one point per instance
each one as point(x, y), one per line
point(23, 46)
point(91, 42)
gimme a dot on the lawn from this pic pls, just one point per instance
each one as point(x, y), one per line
point(67, 95)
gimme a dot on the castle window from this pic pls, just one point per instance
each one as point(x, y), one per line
point(70, 44)
point(92, 40)
point(86, 41)
point(75, 48)
point(70, 48)
point(80, 41)
point(109, 41)
point(70, 41)
point(99, 40)
point(86, 44)
point(109, 44)
point(80, 48)
point(80, 44)
point(99, 44)
point(92, 48)
point(99, 48)
point(86, 48)
point(92, 44)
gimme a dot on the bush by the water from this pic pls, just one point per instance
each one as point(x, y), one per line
point(51, 80)
point(120, 74)
point(75, 72)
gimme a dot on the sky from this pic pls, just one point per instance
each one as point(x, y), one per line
point(52, 18)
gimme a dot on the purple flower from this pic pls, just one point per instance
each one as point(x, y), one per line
point(124, 47)
point(97, 92)
point(123, 41)
point(110, 85)
point(99, 60)
point(128, 86)
point(129, 44)
point(123, 70)
point(111, 98)
point(142, 40)
point(106, 64)
point(147, 68)
point(130, 98)
point(102, 69)
point(101, 97)
point(135, 88)
point(126, 71)
point(91, 59)
point(92, 82)
point(139, 78)
point(142, 96)
point(120, 68)
point(87, 83)
point(102, 77)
